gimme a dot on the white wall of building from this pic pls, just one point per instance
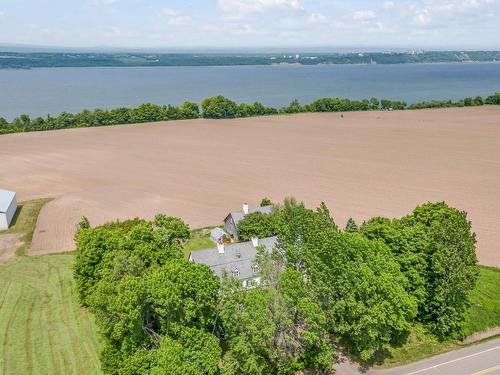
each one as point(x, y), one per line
point(6, 217)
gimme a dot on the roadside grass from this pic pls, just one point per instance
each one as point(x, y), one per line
point(485, 309)
point(200, 239)
point(420, 344)
point(484, 314)
point(44, 329)
point(24, 222)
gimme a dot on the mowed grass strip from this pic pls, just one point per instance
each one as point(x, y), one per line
point(24, 222)
point(44, 330)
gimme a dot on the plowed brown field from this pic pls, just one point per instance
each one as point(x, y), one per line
point(361, 165)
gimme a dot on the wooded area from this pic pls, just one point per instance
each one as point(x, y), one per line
point(363, 288)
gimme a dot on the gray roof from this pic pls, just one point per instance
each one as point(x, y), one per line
point(238, 215)
point(239, 256)
point(6, 198)
point(217, 233)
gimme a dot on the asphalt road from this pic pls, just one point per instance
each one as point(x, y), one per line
point(478, 359)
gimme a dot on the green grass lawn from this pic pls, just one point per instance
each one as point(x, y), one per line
point(485, 309)
point(44, 330)
point(200, 239)
point(484, 314)
point(24, 222)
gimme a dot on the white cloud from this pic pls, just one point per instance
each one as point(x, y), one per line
point(2, 14)
point(389, 4)
point(422, 18)
point(103, 2)
point(257, 6)
point(175, 18)
point(316, 18)
point(363, 15)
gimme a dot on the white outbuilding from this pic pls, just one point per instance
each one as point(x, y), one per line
point(8, 207)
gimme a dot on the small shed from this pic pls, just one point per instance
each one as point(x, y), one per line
point(8, 207)
point(218, 235)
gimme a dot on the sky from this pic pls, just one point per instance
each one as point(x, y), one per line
point(240, 24)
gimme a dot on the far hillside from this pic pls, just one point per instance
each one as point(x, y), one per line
point(24, 60)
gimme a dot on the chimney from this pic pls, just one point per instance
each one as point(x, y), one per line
point(245, 208)
point(255, 241)
point(220, 247)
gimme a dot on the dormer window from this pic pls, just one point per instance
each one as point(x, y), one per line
point(235, 272)
point(255, 268)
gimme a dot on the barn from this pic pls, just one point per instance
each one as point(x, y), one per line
point(8, 207)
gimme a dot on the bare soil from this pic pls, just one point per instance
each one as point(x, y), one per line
point(361, 165)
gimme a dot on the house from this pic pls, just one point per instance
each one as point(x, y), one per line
point(231, 221)
point(237, 259)
point(219, 235)
point(8, 207)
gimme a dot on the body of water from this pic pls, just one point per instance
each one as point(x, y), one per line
point(53, 90)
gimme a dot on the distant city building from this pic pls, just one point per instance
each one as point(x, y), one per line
point(235, 260)
point(8, 207)
point(231, 221)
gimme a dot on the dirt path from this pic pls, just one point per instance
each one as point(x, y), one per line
point(361, 165)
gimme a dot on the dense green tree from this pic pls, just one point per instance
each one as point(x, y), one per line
point(493, 99)
point(293, 107)
point(117, 116)
point(409, 245)
point(3, 123)
point(364, 293)
point(351, 226)
point(255, 109)
point(147, 112)
point(478, 101)
point(194, 352)
point(257, 224)
point(219, 107)
point(279, 329)
point(151, 305)
point(338, 105)
point(392, 104)
point(265, 202)
point(358, 282)
point(189, 110)
point(374, 103)
point(146, 242)
point(452, 263)
point(182, 294)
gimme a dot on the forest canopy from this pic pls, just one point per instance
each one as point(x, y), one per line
point(364, 288)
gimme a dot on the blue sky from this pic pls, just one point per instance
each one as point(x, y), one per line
point(252, 23)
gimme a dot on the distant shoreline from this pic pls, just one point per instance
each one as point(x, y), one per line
point(23, 60)
point(298, 65)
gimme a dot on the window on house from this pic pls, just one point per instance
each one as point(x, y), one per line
point(235, 272)
point(255, 268)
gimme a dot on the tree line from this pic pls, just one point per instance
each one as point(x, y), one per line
point(218, 107)
point(362, 287)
